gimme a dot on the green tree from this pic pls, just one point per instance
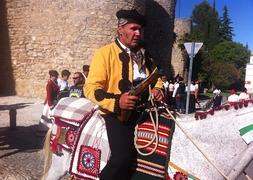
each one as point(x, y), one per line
point(223, 74)
point(230, 52)
point(220, 62)
point(205, 25)
point(232, 58)
point(226, 30)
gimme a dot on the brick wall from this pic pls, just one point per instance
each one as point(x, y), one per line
point(63, 34)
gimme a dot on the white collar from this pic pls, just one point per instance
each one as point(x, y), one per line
point(124, 47)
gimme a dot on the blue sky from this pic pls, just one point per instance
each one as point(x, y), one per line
point(240, 13)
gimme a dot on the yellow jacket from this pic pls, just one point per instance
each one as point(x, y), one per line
point(110, 75)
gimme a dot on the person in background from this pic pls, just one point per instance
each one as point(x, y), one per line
point(114, 70)
point(174, 94)
point(171, 86)
point(166, 90)
point(52, 90)
point(233, 97)
point(63, 81)
point(196, 93)
point(216, 91)
point(63, 84)
point(177, 78)
point(77, 89)
point(176, 85)
point(243, 95)
point(192, 99)
point(217, 98)
point(165, 82)
point(179, 94)
point(171, 101)
point(86, 69)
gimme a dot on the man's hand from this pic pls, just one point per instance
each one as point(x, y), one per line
point(127, 101)
point(157, 94)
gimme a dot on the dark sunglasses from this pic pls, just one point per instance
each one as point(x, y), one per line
point(76, 77)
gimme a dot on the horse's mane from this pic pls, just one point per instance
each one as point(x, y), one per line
point(47, 154)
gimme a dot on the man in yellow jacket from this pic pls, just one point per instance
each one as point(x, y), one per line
point(114, 70)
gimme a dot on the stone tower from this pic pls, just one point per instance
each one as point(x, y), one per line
point(39, 35)
point(179, 57)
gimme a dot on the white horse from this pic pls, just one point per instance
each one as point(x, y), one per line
point(79, 142)
point(71, 116)
point(219, 151)
point(208, 149)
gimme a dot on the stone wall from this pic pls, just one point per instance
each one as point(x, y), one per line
point(179, 57)
point(63, 34)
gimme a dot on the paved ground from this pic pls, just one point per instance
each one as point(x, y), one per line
point(20, 150)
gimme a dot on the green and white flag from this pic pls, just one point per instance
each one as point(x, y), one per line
point(247, 133)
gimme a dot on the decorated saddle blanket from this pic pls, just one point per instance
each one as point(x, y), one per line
point(81, 130)
point(73, 110)
point(91, 151)
point(153, 146)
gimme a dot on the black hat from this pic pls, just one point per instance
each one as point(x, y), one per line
point(131, 15)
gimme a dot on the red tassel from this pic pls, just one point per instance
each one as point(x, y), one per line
point(54, 145)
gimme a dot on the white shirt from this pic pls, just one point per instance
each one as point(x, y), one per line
point(243, 95)
point(192, 88)
point(216, 91)
point(166, 84)
point(137, 74)
point(175, 89)
point(196, 86)
point(62, 84)
point(171, 87)
point(233, 98)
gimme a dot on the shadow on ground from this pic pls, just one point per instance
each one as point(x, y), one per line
point(22, 139)
point(14, 106)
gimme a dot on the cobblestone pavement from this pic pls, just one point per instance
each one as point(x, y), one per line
point(20, 150)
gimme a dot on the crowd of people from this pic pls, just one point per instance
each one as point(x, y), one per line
point(62, 87)
point(57, 88)
point(217, 98)
point(234, 97)
point(176, 94)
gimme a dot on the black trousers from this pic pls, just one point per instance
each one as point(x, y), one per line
point(123, 154)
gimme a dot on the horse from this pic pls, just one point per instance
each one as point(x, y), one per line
point(78, 144)
point(70, 116)
point(211, 146)
point(211, 151)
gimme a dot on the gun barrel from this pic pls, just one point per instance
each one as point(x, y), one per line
point(144, 84)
